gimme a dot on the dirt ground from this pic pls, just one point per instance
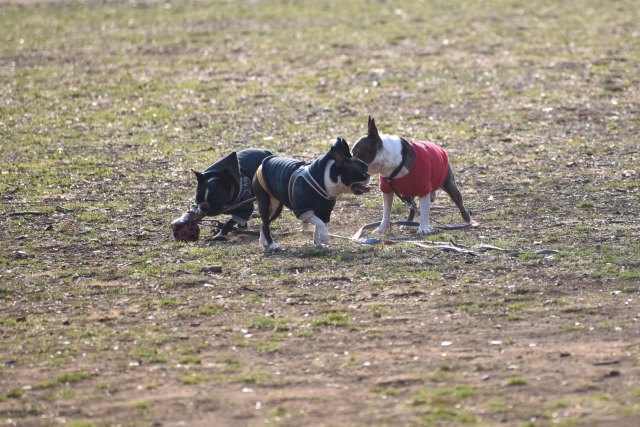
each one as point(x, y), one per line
point(105, 320)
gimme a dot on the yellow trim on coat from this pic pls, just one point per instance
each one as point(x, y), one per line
point(263, 184)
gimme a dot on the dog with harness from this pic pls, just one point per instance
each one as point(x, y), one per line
point(223, 188)
point(408, 170)
point(309, 190)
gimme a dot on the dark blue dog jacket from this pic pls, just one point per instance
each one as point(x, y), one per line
point(299, 187)
point(249, 161)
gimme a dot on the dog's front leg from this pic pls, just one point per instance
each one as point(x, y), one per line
point(425, 207)
point(226, 228)
point(321, 233)
point(387, 202)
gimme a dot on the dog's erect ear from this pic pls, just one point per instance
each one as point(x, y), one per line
point(342, 144)
point(227, 166)
point(337, 154)
point(373, 130)
point(199, 176)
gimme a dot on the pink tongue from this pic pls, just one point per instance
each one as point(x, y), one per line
point(362, 188)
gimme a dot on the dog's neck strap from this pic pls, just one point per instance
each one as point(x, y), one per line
point(306, 175)
point(234, 206)
point(408, 159)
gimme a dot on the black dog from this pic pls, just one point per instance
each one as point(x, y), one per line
point(310, 191)
point(225, 188)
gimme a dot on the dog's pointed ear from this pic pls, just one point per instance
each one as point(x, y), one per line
point(233, 167)
point(337, 154)
point(373, 130)
point(199, 176)
point(227, 166)
point(342, 144)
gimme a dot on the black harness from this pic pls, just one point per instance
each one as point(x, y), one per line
point(304, 173)
point(245, 187)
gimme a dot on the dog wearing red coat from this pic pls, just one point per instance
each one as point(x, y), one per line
point(408, 169)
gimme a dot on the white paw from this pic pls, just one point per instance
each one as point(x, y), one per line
point(320, 239)
point(262, 240)
point(424, 231)
point(184, 218)
point(381, 229)
point(220, 237)
point(273, 247)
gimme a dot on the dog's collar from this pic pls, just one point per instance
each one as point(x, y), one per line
point(408, 159)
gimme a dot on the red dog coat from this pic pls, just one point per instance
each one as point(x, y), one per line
point(427, 174)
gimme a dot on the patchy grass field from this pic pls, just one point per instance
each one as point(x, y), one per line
point(105, 320)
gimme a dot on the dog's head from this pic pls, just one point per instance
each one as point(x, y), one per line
point(217, 186)
point(348, 171)
point(367, 147)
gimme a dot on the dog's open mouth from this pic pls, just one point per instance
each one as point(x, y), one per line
point(358, 189)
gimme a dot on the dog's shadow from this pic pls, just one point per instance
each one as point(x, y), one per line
point(334, 251)
point(233, 238)
point(338, 249)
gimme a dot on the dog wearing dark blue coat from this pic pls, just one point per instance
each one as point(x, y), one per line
point(309, 190)
point(225, 188)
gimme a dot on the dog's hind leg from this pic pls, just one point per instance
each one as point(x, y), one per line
point(275, 209)
point(451, 188)
point(267, 214)
point(412, 212)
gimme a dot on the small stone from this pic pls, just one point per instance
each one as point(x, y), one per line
point(20, 254)
point(612, 374)
point(212, 269)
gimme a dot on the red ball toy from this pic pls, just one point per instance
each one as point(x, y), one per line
point(188, 231)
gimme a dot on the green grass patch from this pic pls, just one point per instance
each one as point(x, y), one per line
point(210, 310)
point(66, 378)
point(337, 319)
point(443, 405)
point(190, 359)
point(270, 323)
point(193, 378)
point(231, 363)
point(15, 393)
point(149, 355)
point(515, 381)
